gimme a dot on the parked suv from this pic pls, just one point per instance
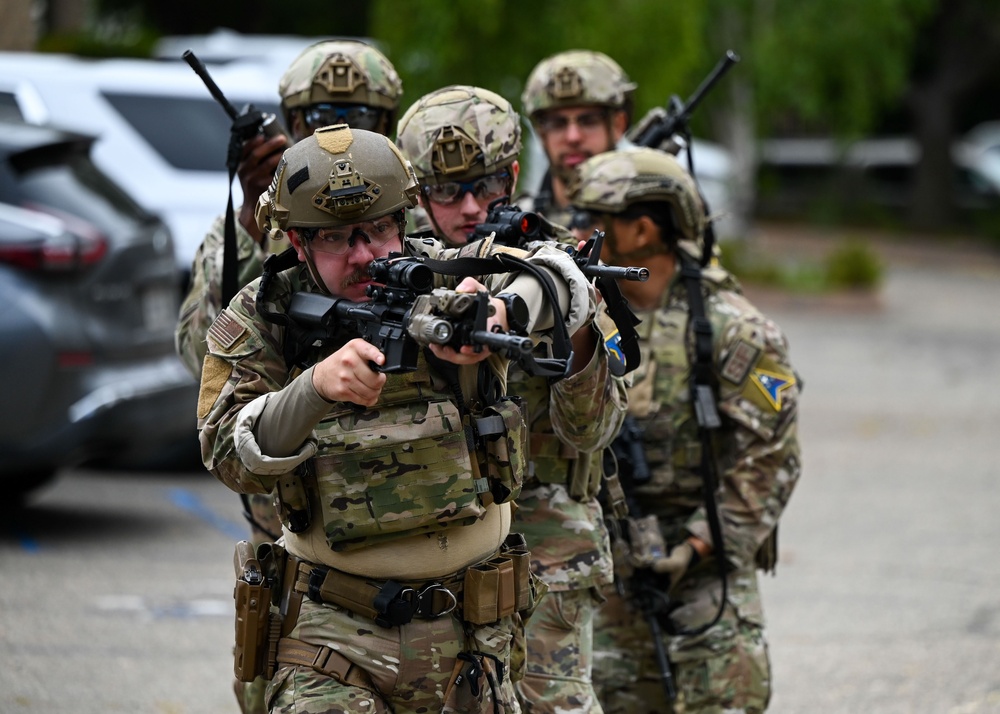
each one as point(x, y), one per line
point(160, 134)
point(88, 284)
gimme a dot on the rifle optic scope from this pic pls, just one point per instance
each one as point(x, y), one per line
point(404, 274)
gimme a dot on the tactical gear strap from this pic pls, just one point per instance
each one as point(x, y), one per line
point(324, 660)
point(703, 398)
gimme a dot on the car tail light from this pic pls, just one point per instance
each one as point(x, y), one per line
point(66, 245)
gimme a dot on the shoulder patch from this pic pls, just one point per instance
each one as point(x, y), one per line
point(740, 361)
point(772, 385)
point(616, 358)
point(226, 331)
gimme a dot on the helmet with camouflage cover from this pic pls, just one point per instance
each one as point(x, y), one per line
point(611, 182)
point(341, 72)
point(336, 177)
point(577, 78)
point(459, 133)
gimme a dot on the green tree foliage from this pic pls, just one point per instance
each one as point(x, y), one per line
point(831, 65)
point(496, 43)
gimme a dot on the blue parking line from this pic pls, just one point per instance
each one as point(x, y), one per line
point(188, 501)
point(28, 544)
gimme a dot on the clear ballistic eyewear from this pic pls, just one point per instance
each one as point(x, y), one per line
point(337, 241)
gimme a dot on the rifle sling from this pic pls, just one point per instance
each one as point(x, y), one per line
point(704, 401)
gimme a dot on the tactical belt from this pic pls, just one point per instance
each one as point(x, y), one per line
point(482, 593)
point(388, 602)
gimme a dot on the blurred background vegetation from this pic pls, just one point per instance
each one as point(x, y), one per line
point(841, 69)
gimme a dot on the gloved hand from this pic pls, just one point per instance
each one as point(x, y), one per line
point(680, 558)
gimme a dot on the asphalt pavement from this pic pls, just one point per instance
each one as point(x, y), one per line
point(117, 588)
point(887, 596)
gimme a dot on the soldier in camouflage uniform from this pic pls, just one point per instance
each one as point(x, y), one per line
point(653, 216)
point(399, 594)
point(460, 139)
point(330, 81)
point(580, 104)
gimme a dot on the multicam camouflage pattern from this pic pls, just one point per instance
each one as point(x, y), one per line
point(410, 403)
point(611, 182)
point(203, 302)
point(726, 671)
point(407, 469)
point(340, 72)
point(759, 465)
point(319, 182)
point(411, 666)
point(570, 423)
point(459, 133)
point(248, 350)
point(559, 660)
point(253, 365)
point(576, 78)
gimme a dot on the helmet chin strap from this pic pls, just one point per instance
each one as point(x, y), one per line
point(313, 271)
point(632, 257)
point(426, 203)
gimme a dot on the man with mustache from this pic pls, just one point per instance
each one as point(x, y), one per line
point(401, 585)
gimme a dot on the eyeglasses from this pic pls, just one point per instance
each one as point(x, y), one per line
point(337, 241)
point(553, 123)
point(356, 116)
point(487, 187)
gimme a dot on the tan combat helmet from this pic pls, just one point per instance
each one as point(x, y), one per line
point(459, 133)
point(341, 72)
point(336, 177)
point(611, 182)
point(577, 78)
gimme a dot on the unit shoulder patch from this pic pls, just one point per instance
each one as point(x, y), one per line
point(772, 385)
point(616, 358)
point(740, 361)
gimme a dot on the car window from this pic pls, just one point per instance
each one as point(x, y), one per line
point(9, 109)
point(63, 178)
point(190, 134)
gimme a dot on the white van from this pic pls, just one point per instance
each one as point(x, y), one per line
point(161, 135)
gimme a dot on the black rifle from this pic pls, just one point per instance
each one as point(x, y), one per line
point(645, 588)
point(678, 113)
point(518, 228)
point(246, 124)
point(403, 314)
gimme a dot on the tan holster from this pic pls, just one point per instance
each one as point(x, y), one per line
point(258, 622)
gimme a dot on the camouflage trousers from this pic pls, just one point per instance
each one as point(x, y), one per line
point(416, 667)
point(560, 638)
point(725, 670)
point(250, 695)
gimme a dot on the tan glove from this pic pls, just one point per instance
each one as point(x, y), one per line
point(677, 562)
